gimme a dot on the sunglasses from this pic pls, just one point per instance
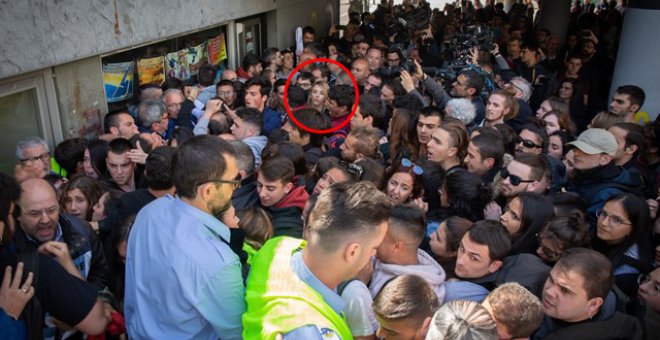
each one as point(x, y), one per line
point(515, 180)
point(417, 170)
point(527, 143)
point(353, 169)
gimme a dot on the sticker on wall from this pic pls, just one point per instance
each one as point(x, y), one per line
point(176, 65)
point(151, 71)
point(196, 55)
point(118, 81)
point(217, 49)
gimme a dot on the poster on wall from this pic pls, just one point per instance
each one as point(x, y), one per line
point(176, 65)
point(196, 57)
point(151, 71)
point(217, 49)
point(118, 81)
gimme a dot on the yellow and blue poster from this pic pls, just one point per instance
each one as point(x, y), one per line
point(151, 71)
point(118, 81)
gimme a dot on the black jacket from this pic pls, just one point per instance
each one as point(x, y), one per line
point(84, 247)
point(526, 269)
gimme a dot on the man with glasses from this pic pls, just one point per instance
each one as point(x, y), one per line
point(526, 172)
point(533, 139)
point(597, 178)
point(375, 58)
point(71, 241)
point(33, 159)
point(154, 116)
point(179, 252)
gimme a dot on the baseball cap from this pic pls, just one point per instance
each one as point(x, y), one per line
point(595, 141)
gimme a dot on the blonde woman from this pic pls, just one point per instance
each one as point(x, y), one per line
point(318, 95)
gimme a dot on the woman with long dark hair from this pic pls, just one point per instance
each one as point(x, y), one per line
point(523, 218)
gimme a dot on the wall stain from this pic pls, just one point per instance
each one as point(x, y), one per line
point(117, 31)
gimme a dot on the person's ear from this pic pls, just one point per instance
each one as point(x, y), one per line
point(490, 162)
point(604, 159)
point(398, 245)
point(114, 130)
point(359, 157)
point(471, 91)
point(288, 187)
point(495, 266)
point(425, 327)
point(352, 251)
point(593, 305)
point(369, 119)
point(631, 149)
point(634, 108)
point(452, 151)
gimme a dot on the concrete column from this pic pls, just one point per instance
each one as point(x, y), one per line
point(637, 61)
point(554, 16)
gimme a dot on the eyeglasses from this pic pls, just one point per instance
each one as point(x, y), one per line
point(417, 170)
point(353, 169)
point(515, 180)
point(459, 83)
point(30, 160)
point(614, 221)
point(550, 254)
point(236, 183)
point(225, 93)
point(527, 143)
point(644, 279)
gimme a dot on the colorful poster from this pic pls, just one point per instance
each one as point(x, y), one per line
point(196, 57)
point(151, 71)
point(118, 81)
point(177, 66)
point(217, 49)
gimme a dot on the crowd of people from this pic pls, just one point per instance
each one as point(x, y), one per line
point(514, 200)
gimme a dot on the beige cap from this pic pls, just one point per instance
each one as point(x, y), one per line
point(595, 141)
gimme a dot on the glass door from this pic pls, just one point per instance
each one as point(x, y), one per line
point(27, 108)
point(248, 36)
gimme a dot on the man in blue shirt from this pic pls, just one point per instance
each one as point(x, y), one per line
point(182, 279)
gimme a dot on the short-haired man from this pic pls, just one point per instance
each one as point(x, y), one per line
point(578, 302)
point(361, 143)
point(246, 196)
point(120, 166)
point(33, 159)
point(153, 116)
point(533, 72)
point(533, 139)
point(204, 286)
point(522, 91)
point(526, 172)
point(174, 101)
point(341, 99)
point(428, 120)
point(158, 179)
point(250, 68)
point(120, 125)
point(375, 57)
point(310, 142)
point(281, 197)
point(370, 112)
point(257, 90)
point(309, 34)
point(627, 101)
point(225, 90)
point(483, 264)
point(597, 178)
point(399, 252)
point(360, 71)
point(373, 83)
point(247, 128)
point(484, 156)
point(69, 154)
point(272, 59)
point(70, 240)
point(517, 312)
point(292, 291)
point(404, 308)
point(630, 145)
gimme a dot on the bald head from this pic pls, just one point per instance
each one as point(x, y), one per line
point(229, 75)
point(360, 70)
point(39, 209)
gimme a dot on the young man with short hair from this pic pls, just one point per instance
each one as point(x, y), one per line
point(517, 312)
point(291, 286)
point(484, 156)
point(247, 128)
point(340, 104)
point(120, 166)
point(370, 112)
point(578, 302)
point(257, 90)
point(404, 308)
point(428, 120)
point(399, 252)
point(361, 143)
point(310, 142)
point(627, 100)
point(526, 172)
point(279, 195)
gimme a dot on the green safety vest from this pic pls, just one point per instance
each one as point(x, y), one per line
point(250, 251)
point(278, 301)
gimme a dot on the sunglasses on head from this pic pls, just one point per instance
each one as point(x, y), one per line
point(527, 143)
point(515, 180)
point(417, 170)
point(352, 168)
